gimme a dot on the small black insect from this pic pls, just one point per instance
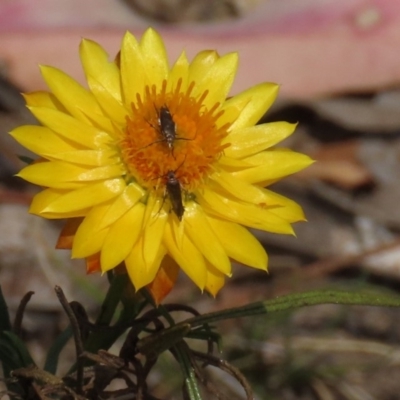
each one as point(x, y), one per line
point(174, 192)
point(166, 128)
point(173, 189)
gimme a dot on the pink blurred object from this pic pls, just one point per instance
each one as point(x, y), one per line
point(311, 47)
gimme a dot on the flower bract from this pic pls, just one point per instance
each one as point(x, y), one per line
point(154, 167)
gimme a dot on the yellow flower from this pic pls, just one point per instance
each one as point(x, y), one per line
point(155, 167)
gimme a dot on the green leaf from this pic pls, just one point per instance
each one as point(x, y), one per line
point(331, 297)
point(20, 348)
point(297, 300)
point(13, 353)
point(10, 361)
point(5, 324)
point(55, 350)
point(9, 358)
point(105, 337)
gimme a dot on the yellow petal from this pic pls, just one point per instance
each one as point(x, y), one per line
point(231, 111)
point(283, 207)
point(239, 243)
point(186, 255)
point(70, 93)
point(245, 214)
point(179, 71)
point(113, 108)
point(229, 186)
point(203, 237)
point(88, 196)
point(133, 75)
point(229, 63)
point(100, 121)
point(258, 99)
point(231, 164)
point(51, 174)
point(140, 273)
point(62, 175)
point(248, 141)
point(215, 280)
point(70, 128)
point(238, 188)
point(273, 165)
point(88, 238)
point(42, 140)
point(85, 248)
point(100, 173)
point(43, 99)
point(154, 56)
point(90, 158)
point(97, 66)
point(45, 198)
point(217, 79)
point(153, 229)
point(96, 214)
point(200, 63)
point(121, 237)
point(121, 204)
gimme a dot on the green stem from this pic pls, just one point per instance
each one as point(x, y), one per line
point(182, 355)
point(113, 297)
point(105, 335)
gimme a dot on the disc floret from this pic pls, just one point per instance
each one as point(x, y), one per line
point(196, 147)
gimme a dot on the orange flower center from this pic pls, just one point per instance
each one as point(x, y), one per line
point(172, 132)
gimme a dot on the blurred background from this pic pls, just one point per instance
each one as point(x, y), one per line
point(338, 64)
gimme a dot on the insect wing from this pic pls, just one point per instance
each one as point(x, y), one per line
point(175, 194)
point(167, 126)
